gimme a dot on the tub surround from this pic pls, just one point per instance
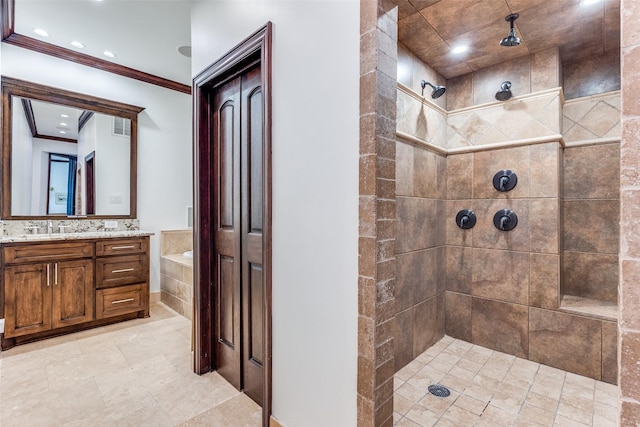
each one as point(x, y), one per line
point(176, 271)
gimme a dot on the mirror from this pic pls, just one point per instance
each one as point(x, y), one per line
point(66, 154)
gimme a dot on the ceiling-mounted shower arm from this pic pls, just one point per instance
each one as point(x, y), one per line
point(511, 39)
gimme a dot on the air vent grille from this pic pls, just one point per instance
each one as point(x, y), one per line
point(121, 126)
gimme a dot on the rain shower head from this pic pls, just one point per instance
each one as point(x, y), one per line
point(511, 39)
point(438, 91)
point(505, 91)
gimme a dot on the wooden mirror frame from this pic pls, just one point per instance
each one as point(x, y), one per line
point(13, 87)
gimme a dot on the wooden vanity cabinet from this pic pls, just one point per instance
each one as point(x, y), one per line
point(122, 277)
point(58, 287)
point(47, 286)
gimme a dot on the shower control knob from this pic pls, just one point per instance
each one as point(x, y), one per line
point(466, 219)
point(505, 220)
point(505, 180)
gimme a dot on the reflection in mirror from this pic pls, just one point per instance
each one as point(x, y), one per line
point(60, 150)
point(70, 154)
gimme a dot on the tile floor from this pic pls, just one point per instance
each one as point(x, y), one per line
point(489, 388)
point(135, 373)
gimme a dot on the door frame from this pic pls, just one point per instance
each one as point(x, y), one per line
point(259, 43)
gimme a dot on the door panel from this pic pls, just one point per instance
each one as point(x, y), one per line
point(27, 299)
point(226, 128)
point(252, 218)
point(227, 138)
point(72, 283)
point(255, 314)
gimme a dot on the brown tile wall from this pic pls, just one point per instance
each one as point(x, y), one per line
point(420, 251)
point(527, 74)
point(411, 71)
point(542, 70)
point(592, 75)
point(503, 288)
point(591, 217)
point(377, 216)
point(629, 342)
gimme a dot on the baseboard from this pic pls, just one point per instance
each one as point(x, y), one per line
point(154, 297)
point(274, 423)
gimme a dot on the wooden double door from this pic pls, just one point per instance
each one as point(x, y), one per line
point(238, 217)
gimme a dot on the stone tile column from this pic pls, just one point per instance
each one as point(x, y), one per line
point(376, 269)
point(629, 290)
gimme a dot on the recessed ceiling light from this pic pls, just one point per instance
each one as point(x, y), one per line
point(64, 115)
point(41, 32)
point(63, 124)
point(77, 44)
point(109, 54)
point(184, 51)
point(460, 49)
point(63, 132)
point(589, 2)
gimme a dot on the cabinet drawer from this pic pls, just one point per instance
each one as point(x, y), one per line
point(46, 252)
point(122, 246)
point(118, 301)
point(121, 270)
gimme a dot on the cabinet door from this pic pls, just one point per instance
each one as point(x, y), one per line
point(72, 283)
point(27, 299)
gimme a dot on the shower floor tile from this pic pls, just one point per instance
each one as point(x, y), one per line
point(490, 388)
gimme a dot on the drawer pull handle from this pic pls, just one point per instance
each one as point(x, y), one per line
point(48, 274)
point(122, 247)
point(121, 301)
point(124, 270)
point(55, 274)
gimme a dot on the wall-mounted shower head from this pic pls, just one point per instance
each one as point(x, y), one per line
point(505, 91)
point(511, 39)
point(438, 91)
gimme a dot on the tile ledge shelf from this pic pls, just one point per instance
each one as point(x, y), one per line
point(477, 148)
point(180, 259)
point(504, 144)
point(589, 307)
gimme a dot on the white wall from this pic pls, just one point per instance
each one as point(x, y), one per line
point(112, 173)
point(20, 160)
point(315, 194)
point(87, 137)
point(164, 135)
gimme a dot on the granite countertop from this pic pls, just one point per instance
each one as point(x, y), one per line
point(74, 236)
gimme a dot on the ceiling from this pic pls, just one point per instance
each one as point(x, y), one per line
point(143, 34)
point(431, 28)
point(49, 119)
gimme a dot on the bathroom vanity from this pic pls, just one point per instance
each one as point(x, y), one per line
point(68, 282)
point(71, 252)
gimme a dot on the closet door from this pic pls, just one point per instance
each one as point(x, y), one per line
point(227, 250)
point(252, 220)
point(239, 287)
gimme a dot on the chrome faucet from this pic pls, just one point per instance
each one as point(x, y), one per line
point(50, 227)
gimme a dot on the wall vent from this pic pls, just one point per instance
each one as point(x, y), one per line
point(121, 126)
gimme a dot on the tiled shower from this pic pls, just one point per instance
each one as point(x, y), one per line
point(547, 290)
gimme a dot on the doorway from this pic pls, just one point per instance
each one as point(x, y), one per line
point(61, 184)
point(232, 227)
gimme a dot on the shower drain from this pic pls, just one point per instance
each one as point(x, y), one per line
point(439, 390)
